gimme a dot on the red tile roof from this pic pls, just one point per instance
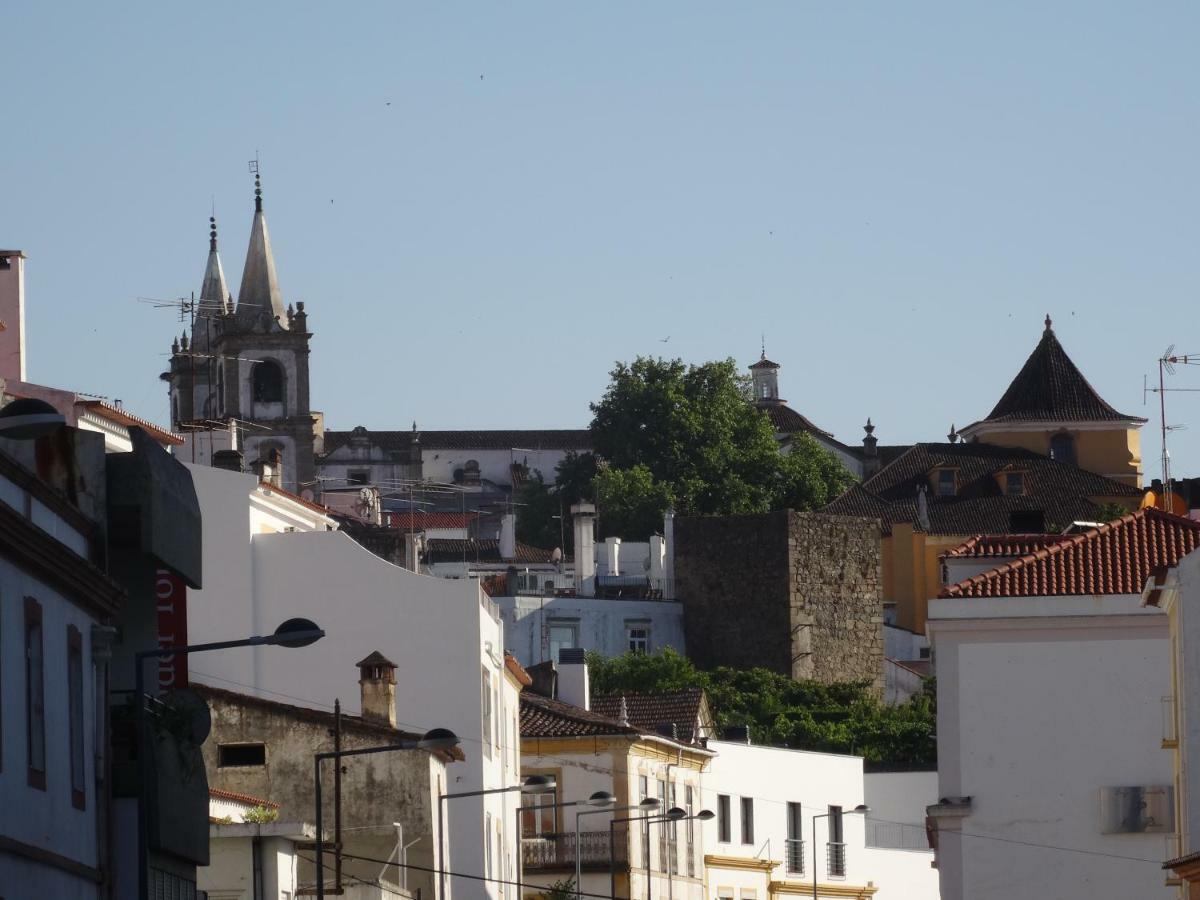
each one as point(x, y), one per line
point(482, 551)
point(416, 520)
point(542, 717)
point(1116, 558)
point(989, 545)
point(649, 712)
point(242, 798)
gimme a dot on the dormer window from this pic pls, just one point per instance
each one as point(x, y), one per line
point(946, 483)
point(1062, 448)
point(1014, 484)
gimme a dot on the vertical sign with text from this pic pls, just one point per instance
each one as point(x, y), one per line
point(170, 595)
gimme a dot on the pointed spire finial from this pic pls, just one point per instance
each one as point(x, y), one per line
point(257, 193)
point(952, 437)
point(212, 232)
point(763, 355)
point(1048, 322)
point(869, 428)
point(623, 714)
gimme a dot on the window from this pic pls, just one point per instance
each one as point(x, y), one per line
point(486, 700)
point(794, 848)
point(35, 696)
point(562, 634)
point(723, 830)
point(267, 382)
point(643, 787)
point(487, 845)
point(540, 821)
point(1014, 484)
point(75, 711)
point(637, 635)
point(358, 477)
point(690, 805)
point(747, 820)
point(947, 483)
point(662, 832)
point(234, 755)
point(1062, 448)
point(837, 846)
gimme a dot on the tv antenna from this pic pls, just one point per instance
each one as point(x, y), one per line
point(1166, 366)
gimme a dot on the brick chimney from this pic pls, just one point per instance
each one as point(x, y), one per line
point(12, 315)
point(377, 680)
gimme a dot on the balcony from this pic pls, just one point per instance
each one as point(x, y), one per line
point(835, 860)
point(793, 850)
point(557, 851)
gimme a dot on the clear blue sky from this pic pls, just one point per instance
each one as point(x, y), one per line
point(895, 194)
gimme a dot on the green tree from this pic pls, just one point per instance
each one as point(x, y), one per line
point(808, 715)
point(694, 431)
point(631, 502)
point(537, 507)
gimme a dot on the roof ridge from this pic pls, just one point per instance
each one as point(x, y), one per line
point(958, 589)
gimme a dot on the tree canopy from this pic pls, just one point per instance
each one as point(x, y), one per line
point(806, 715)
point(690, 436)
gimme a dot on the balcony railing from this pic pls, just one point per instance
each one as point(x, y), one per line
point(557, 851)
point(793, 849)
point(835, 860)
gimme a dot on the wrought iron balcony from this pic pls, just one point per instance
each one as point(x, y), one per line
point(835, 859)
point(793, 849)
point(557, 851)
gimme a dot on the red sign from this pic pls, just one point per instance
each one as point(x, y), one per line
point(171, 599)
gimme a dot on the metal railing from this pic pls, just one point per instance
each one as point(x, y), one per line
point(896, 836)
point(554, 851)
point(793, 853)
point(835, 860)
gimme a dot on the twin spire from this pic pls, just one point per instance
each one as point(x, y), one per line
point(259, 294)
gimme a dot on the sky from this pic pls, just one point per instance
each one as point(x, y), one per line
point(484, 206)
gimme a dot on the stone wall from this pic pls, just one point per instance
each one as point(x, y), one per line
point(797, 593)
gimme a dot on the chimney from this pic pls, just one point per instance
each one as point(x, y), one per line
point(508, 536)
point(12, 315)
point(584, 516)
point(231, 460)
point(612, 556)
point(270, 469)
point(658, 556)
point(669, 554)
point(377, 681)
point(573, 678)
point(870, 451)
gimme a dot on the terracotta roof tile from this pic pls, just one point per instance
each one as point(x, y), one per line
point(784, 419)
point(1057, 492)
point(649, 711)
point(242, 798)
point(992, 545)
point(481, 551)
point(542, 717)
point(1116, 558)
point(418, 520)
point(1050, 388)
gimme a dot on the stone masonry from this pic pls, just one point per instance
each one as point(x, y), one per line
point(797, 593)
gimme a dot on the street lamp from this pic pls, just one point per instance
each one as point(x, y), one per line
point(861, 809)
point(599, 798)
point(292, 633)
point(534, 784)
point(674, 814)
point(436, 739)
point(606, 801)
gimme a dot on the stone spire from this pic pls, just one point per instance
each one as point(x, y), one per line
point(260, 294)
point(213, 291)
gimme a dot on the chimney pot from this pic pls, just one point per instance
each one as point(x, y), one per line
point(377, 681)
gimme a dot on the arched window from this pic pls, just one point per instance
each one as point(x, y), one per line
point(1062, 448)
point(267, 382)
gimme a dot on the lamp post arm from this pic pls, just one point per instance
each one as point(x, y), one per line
point(365, 751)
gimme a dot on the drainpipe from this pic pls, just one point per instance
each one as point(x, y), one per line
point(673, 837)
point(256, 875)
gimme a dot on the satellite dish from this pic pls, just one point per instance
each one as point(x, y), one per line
point(195, 711)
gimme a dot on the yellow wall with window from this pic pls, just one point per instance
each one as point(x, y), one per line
point(1115, 453)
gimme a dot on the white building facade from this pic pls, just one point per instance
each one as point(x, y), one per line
point(445, 637)
point(760, 844)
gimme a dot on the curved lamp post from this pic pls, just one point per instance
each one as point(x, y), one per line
point(292, 633)
point(861, 809)
point(534, 784)
point(433, 740)
point(676, 814)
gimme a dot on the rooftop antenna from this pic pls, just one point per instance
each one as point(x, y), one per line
point(1166, 366)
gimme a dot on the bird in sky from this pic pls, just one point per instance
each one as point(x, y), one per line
point(664, 340)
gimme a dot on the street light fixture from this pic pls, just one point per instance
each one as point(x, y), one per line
point(598, 799)
point(433, 740)
point(292, 633)
point(861, 809)
point(674, 814)
point(534, 785)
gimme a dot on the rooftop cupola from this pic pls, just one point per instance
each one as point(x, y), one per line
point(259, 295)
point(765, 375)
